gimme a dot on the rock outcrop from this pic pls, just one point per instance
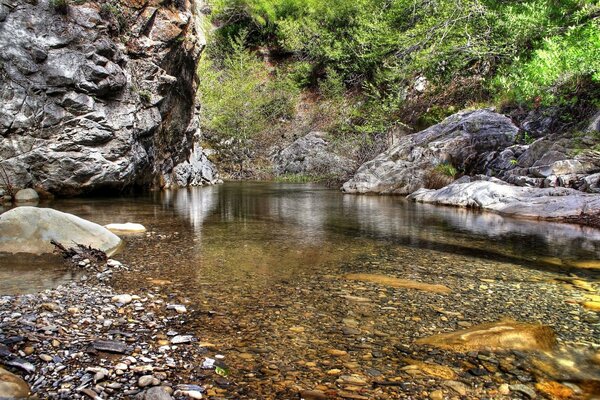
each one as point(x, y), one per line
point(312, 155)
point(495, 195)
point(30, 230)
point(99, 95)
point(465, 140)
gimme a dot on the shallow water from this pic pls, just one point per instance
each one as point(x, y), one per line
point(272, 276)
point(264, 230)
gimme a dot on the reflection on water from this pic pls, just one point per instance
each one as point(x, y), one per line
point(248, 227)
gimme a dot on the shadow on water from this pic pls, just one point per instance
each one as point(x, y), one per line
point(296, 223)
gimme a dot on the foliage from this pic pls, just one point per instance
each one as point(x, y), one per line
point(241, 99)
point(60, 6)
point(446, 169)
point(363, 58)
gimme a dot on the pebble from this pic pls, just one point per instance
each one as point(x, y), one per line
point(526, 390)
point(122, 299)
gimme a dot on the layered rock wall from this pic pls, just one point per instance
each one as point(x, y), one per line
point(99, 95)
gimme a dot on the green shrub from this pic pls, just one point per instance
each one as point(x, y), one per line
point(60, 6)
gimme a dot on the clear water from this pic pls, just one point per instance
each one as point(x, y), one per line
point(269, 230)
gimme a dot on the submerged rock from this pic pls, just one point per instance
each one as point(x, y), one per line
point(30, 230)
point(11, 386)
point(128, 227)
point(503, 335)
point(548, 203)
point(399, 283)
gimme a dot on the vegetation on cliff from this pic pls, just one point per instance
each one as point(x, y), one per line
point(381, 63)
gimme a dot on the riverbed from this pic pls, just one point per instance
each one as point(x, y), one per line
point(290, 285)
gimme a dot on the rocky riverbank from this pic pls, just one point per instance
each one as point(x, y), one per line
point(520, 170)
point(85, 340)
point(349, 336)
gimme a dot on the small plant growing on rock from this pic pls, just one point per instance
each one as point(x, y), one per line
point(441, 175)
point(60, 6)
point(145, 96)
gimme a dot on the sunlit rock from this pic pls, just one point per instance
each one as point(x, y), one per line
point(30, 230)
point(503, 335)
point(128, 227)
point(11, 386)
point(399, 283)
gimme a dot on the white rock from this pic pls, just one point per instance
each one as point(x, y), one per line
point(179, 308)
point(30, 229)
point(122, 299)
point(179, 339)
point(128, 227)
point(26, 196)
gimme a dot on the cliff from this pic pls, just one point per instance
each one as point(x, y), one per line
point(100, 95)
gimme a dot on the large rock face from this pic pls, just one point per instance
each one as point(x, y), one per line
point(30, 230)
point(494, 195)
point(99, 95)
point(464, 140)
point(312, 155)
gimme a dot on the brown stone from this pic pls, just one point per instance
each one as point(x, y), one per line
point(503, 335)
point(399, 283)
point(11, 386)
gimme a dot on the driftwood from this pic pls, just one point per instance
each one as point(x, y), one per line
point(80, 252)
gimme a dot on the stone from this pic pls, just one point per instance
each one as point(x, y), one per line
point(399, 283)
point(110, 346)
point(312, 155)
point(534, 203)
point(147, 380)
point(30, 230)
point(458, 387)
point(27, 196)
point(180, 339)
point(463, 140)
point(179, 308)
point(554, 390)
point(503, 335)
point(157, 393)
point(12, 386)
point(122, 299)
point(436, 395)
point(592, 305)
point(526, 390)
point(125, 228)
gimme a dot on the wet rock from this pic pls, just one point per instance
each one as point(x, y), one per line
point(27, 196)
point(122, 299)
point(524, 389)
point(180, 339)
point(30, 229)
point(110, 346)
point(11, 386)
point(504, 335)
point(128, 227)
point(156, 393)
point(399, 283)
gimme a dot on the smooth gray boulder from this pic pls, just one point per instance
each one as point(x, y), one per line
point(526, 202)
point(27, 196)
point(312, 155)
point(465, 140)
point(30, 230)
